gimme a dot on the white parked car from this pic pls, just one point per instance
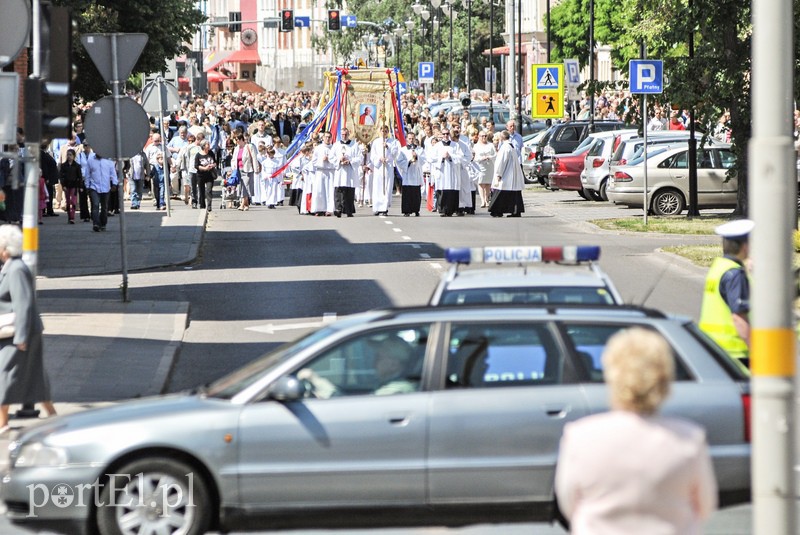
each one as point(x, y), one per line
point(668, 179)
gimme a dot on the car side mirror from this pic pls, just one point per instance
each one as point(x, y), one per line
point(287, 388)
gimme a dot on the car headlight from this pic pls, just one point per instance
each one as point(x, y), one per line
point(37, 454)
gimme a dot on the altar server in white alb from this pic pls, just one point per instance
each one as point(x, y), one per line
point(322, 183)
point(273, 186)
point(508, 181)
point(347, 157)
point(466, 190)
point(383, 157)
point(411, 171)
point(447, 160)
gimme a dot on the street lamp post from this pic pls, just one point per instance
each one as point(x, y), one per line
point(451, 14)
point(467, 4)
point(410, 26)
point(398, 35)
point(437, 30)
point(491, 59)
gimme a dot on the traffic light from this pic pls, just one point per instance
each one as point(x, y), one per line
point(48, 101)
point(287, 20)
point(234, 17)
point(334, 22)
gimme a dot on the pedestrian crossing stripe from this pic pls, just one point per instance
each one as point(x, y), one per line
point(547, 78)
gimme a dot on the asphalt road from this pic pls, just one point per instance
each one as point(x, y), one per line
point(266, 276)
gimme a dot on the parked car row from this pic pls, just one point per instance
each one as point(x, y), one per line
point(608, 165)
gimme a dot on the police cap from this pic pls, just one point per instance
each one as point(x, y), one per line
point(738, 230)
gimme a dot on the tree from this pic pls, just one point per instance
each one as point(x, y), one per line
point(168, 24)
point(391, 14)
point(716, 79)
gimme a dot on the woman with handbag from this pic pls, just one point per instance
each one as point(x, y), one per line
point(22, 375)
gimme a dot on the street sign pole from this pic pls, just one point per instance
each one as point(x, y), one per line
point(115, 55)
point(120, 172)
point(161, 88)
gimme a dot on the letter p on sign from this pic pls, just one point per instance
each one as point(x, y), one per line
point(646, 76)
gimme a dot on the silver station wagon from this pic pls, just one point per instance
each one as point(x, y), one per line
point(426, 416)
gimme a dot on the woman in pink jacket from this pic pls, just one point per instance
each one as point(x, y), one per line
point(631, 471)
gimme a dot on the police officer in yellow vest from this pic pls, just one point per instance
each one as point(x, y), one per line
point(726, 299)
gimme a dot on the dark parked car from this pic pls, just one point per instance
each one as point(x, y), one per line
point(563, 138)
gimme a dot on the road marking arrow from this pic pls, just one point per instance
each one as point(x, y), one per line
point(272, 328)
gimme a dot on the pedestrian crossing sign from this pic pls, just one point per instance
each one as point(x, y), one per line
point(546, 78)
point(547, 97)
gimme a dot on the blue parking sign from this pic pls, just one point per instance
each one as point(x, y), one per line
point(646, 76)
point(425, 72)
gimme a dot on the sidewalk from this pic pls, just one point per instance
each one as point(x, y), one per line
point(102, 350)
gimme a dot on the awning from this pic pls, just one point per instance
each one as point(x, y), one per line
point(214, 58)
point(502, 51)
point(216, 76)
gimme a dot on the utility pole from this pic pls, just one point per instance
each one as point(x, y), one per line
point(772, 195)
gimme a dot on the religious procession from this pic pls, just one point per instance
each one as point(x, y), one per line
point(358, 146)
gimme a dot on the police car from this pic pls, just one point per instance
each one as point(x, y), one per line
point(536, 275)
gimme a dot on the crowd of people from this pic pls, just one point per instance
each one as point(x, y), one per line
point(453, 164)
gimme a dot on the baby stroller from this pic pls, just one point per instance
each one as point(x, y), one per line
point(230, 189)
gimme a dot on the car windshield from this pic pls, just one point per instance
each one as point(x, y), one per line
point(534, 295)
point(232, 384)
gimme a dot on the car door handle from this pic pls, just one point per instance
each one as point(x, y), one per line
point(399, 419)
point(556, 410)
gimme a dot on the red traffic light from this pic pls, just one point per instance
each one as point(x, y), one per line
point(287, 20)
point(334, 23)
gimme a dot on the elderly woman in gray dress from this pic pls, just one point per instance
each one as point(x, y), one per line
point(22, 375)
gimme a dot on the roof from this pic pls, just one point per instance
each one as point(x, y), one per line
point(503, 51)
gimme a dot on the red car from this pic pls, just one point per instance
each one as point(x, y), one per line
point(566, 173)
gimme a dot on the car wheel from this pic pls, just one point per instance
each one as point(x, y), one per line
point(582, 193)
point(668, 202)
point(155, 496)
point(594, 195)
point(603, 188)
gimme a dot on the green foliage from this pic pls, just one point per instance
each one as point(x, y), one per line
point(390, 14)
point(715, 80)
point(168, 24)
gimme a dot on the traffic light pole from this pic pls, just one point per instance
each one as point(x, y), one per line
point(30, 208)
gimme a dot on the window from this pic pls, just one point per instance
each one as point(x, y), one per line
point(704, 160)
point(568, 134)
point(486, 356)
point(384, 362)
point(597, 148)
point(727, 158)
point(681, 160)
point(589, 341)
point(594, 295)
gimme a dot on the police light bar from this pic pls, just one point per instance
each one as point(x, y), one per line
point(522, 254)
